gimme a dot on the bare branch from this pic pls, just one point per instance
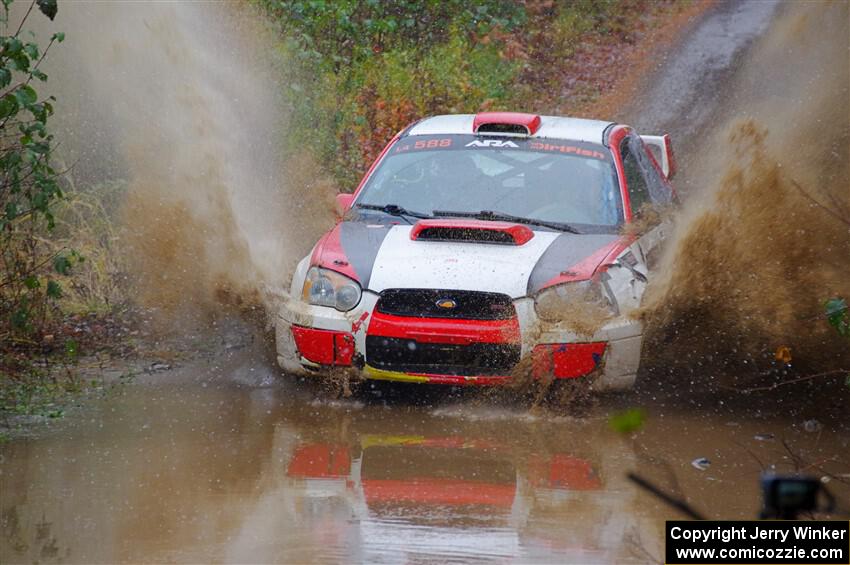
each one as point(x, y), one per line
point(752, 454)
point(35, 268)
point(774, 386)
point(27, 15)
point(817, 203)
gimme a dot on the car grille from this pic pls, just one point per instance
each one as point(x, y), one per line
point(467, 305)
point(407, 355)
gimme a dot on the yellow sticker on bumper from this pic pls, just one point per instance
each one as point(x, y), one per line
point(372, 440)
point(382, 375)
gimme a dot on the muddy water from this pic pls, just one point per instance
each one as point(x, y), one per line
point(757, 247)
point(225, 462)
point(181, 103)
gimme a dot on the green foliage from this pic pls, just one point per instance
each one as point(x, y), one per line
point(86, 222)
point(627, 421)
point(29, 185)
point(366, 68)
point(579, 17)
point(340, 32)
point(35, 393)
point(838, 315)
point(361, 70)
point(45, 391)
point(48, 7)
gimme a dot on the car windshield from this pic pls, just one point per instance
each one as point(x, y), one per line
point(554, 181)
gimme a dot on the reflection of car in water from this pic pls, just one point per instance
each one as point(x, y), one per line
point(477, 240)
point(450, 495)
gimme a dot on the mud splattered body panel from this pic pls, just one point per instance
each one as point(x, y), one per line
point(474, 251)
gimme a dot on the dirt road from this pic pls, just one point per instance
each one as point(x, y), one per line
point(224, 460)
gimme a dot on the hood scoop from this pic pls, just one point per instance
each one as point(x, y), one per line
point(471, 231)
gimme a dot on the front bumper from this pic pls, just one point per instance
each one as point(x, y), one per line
point(311, 340)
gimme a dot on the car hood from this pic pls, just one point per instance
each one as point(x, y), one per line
point(384, 256)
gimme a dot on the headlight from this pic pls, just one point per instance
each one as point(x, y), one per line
point(323, 287)
point(571, 300)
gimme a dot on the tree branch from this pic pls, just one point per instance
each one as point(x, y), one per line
point(817, 203)
point(21, 25)
point(774, 386)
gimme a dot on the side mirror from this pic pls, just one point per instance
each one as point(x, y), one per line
point(343, 203)
point(662, 150)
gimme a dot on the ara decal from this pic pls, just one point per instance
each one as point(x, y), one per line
point(492, 143)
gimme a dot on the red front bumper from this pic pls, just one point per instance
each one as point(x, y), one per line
point(324, 347)
point(334, 348)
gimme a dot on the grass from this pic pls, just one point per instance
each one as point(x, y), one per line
point(38, 391)
point(87, 221)
point(38, 372)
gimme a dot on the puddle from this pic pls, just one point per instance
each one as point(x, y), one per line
point(228, 472)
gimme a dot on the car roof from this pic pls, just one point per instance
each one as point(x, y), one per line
point(551, 127)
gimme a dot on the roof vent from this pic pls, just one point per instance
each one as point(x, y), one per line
point(506, 123)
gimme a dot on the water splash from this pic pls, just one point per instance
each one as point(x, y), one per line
point(754, 258)
point(182, 100)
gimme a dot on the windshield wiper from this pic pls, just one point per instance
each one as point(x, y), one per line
point(394, 210)
point(489, 215)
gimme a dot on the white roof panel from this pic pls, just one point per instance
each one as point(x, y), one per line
point(551, 127)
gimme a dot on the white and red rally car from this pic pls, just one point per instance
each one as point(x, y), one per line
point(477, 240)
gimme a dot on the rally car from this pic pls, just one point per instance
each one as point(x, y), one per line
point(477, 241)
